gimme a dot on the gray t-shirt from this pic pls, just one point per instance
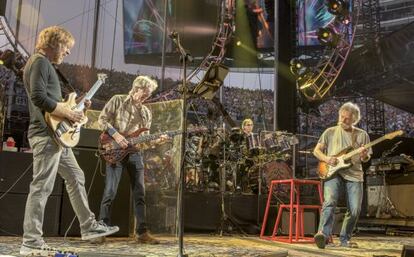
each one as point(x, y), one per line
point(337, 139)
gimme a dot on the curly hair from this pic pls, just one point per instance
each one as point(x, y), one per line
point(144, 82)
point(353, 109)
point(54, 37)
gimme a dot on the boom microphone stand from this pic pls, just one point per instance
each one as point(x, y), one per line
point(183, 58)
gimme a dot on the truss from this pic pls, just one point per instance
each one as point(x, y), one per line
point(316, 84)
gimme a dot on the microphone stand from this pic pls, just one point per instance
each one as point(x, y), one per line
point(183, 59)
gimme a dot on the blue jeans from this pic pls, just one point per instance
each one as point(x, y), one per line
point(134, 165)
point(354, 192)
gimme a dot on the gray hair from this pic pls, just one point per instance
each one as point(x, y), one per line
point(144, 82)
point(353, 109)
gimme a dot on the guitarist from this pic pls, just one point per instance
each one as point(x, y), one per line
point(123, 115)
point(44, 94)
point(350, 180)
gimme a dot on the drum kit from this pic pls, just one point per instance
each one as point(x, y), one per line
point(233, 161)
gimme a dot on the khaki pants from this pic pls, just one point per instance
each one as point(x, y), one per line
point(49, 159)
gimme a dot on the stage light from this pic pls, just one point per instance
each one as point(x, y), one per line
point(340, 9)
point(328, 37)
point(296, 67)
point(337, 7)
point(238, 43)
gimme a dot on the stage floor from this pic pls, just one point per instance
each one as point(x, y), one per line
point(214, 245)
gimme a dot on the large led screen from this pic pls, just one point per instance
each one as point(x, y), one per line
point(195, 22)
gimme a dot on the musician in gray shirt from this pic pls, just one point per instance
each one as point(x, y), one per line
point(332, 142)
point(49, 158)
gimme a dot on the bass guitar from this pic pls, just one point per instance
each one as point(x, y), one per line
point(326, 171)
point(113, 153)
point(66, 133)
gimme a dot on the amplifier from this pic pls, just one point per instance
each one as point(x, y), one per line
point(89, 138)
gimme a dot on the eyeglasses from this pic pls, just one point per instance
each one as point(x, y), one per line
point(248, 125)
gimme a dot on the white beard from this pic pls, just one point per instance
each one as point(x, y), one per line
point(345, 126)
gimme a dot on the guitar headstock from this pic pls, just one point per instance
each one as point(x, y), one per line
point(394, 134)
point(102, 77)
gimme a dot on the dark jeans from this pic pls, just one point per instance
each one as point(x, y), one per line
point(134, 165)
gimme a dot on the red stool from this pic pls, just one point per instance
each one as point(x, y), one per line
point(299, 236)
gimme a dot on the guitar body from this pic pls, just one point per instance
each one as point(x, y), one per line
point(65, 132)
point(111, 151)
point(326, 171)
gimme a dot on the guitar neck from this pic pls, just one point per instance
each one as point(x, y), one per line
point(101, 79)
point(357, 151)
point(146, 138)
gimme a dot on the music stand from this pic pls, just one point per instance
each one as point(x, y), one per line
point(211, 82)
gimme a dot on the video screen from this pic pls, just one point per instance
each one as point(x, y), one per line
point(312, 15)
point(194, 21)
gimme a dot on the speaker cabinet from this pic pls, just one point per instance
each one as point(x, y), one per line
point(11, 217)
point(13, 165)
point(310, 222)
point(95, 180)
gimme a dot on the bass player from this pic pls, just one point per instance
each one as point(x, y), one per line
point(350, 179)
point(124, 115)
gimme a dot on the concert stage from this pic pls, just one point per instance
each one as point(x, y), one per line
point(214, 245)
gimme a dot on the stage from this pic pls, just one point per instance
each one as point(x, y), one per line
point(214, 245)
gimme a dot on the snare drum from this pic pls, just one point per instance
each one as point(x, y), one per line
point(253, 144)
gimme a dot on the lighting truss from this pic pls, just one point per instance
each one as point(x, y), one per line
point(316, 84)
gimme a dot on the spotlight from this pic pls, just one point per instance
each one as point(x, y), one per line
point(337, 7)
point(296, 67)
point(328, 37)
point(238, 43)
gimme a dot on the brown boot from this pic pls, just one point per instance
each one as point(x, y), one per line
point(147, 238)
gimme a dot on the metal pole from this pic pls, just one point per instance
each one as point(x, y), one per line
point(18, 17)
point(275, 79)
point(95, 32)
point(164, 46)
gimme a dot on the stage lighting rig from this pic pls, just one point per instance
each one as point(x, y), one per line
point(297, 68)
point(337, 37)
point(328, 37)
point(338, 7)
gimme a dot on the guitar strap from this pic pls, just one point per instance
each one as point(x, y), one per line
point(354, 137)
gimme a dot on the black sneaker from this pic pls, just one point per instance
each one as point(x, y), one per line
point(320, 240)
point(99, 229)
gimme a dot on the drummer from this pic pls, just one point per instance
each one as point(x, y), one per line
point(242, 173)
point(247, 126)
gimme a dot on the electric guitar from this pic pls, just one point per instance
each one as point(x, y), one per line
point(326, 171)
point(66, 133)
point(112, 153)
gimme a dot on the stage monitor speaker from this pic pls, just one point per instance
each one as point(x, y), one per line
point(310, 222)
point(12, 166)
point(88, 161)
point(408, 251)
point(12, 215)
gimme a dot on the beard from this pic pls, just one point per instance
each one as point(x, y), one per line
point(345, 126)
